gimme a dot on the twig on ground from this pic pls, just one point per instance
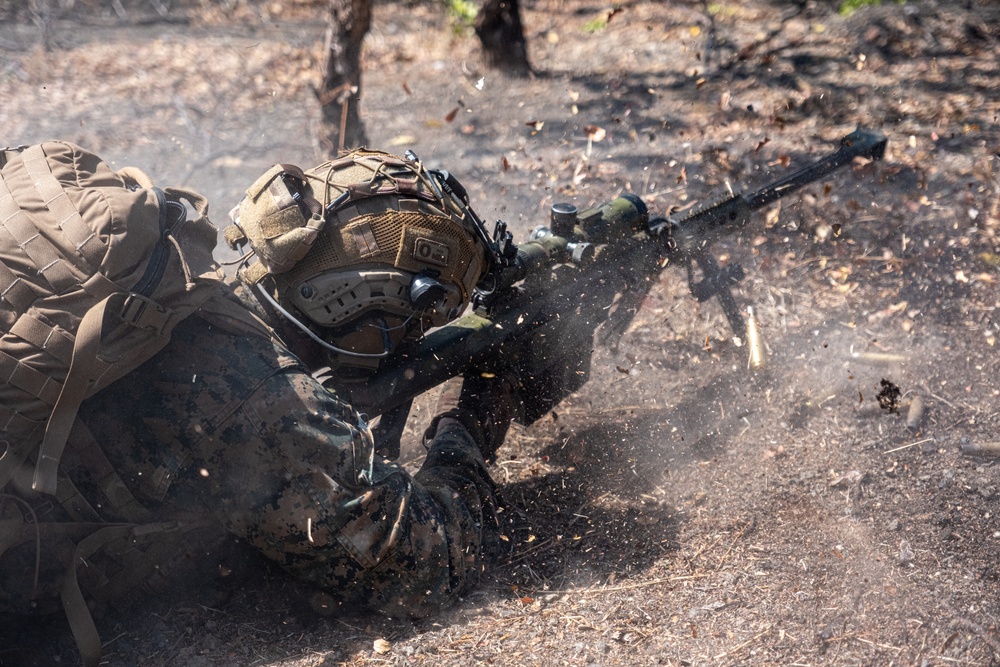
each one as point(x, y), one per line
point(760, 634)
point(626, 587)
point(912, 444)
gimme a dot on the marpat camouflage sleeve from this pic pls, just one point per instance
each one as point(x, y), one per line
point(235, 425)
point(298, 480)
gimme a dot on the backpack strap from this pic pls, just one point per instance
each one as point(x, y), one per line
point(83, 451)
point(137, 176)
point(77, 611)
point(84, 367)
point(26, 378)
point(235, 317)
point(14, 290)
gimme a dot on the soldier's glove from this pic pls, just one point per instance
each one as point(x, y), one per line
point(484, 405)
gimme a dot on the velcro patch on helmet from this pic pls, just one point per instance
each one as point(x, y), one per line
point(364, 240)
point(275, 223)
point(432, 246)
point(430, 251)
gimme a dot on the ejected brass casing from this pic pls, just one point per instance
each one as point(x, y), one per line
point(755, 344)
point(915, 415)
point(981, 449)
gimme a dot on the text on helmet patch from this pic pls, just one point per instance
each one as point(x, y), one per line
point(431, 252)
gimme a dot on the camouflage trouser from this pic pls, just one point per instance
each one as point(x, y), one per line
point(234, 426)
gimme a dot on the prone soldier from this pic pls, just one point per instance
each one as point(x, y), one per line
point(228, 430)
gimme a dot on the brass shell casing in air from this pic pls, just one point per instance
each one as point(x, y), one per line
point(757, 359)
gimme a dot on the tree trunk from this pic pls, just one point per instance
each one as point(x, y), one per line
point(498, 25)
point(341, 127)
point(43, 14)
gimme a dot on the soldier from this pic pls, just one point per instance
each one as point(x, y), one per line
point(227, 431)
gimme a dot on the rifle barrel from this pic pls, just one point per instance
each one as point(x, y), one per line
point(860, 143)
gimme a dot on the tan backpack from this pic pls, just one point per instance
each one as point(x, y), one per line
point(96, 268)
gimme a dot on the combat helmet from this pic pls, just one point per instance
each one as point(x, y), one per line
point(361, 253)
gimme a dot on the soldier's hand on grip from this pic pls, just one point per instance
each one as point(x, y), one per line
point(485, 404)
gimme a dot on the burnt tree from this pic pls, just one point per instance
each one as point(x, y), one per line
point(498, 26)
point(340, 92)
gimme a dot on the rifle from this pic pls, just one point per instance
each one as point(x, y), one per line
point(537, 312)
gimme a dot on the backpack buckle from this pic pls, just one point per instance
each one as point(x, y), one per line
point(144, 313)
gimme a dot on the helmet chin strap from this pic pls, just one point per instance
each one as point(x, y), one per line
point(309, 332)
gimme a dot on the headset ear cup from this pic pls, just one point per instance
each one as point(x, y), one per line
point(426, 293)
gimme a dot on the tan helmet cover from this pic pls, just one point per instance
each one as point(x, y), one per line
point(385, 220)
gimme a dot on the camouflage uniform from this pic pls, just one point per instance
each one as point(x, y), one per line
point(226, 425)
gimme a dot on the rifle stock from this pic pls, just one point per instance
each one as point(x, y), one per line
point(539, 315)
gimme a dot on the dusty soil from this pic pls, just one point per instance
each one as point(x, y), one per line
point(678, 510)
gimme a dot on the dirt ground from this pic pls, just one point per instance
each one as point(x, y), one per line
point(678, 510)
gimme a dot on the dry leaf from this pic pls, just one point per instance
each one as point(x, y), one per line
point(402, 140)
point(504, 162)
point(406, 88)
point(772, 215)
point(451, 115)
point(763, 142)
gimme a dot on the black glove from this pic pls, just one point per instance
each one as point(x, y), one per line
point(484, 404)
